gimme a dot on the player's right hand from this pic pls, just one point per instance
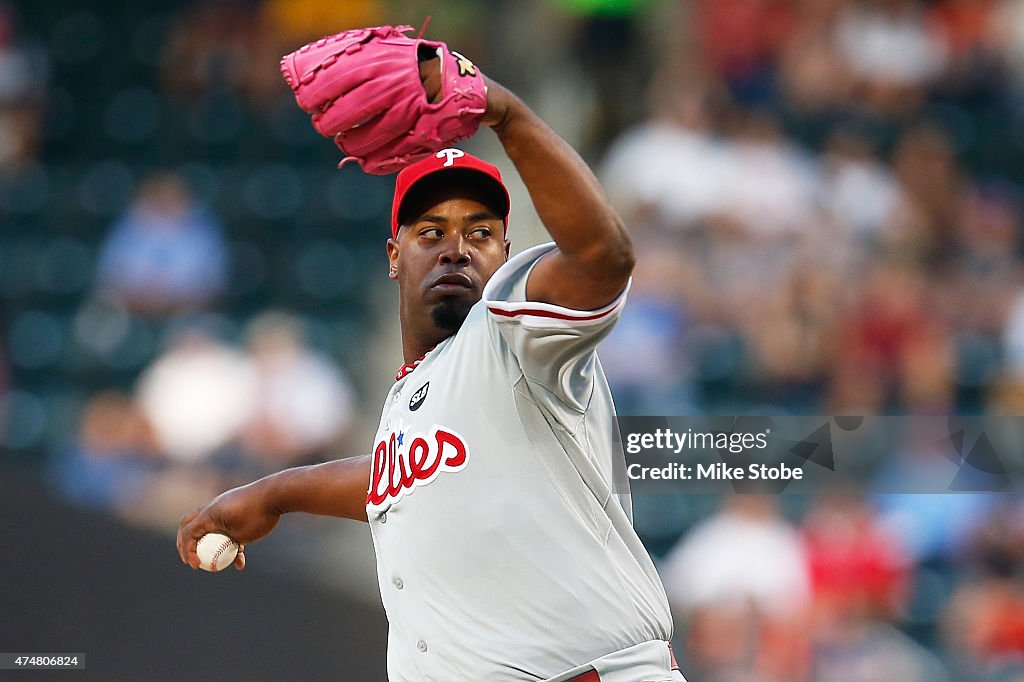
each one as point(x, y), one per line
point(243, 514)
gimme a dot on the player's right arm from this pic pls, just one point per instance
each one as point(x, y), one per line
point(250, 512)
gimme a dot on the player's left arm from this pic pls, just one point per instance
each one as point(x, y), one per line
point(381, 122)
point(594, 258)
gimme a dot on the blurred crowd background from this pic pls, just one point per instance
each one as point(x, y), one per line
point(825, 197)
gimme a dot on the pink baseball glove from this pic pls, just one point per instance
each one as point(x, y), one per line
point(363, 89)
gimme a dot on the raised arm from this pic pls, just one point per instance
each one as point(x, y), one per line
point(594, 258)
point(378, 117)
point(252, 511)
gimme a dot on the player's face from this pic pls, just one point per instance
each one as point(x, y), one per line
point(444, 257)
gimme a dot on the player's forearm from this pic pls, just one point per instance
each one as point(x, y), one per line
point(335, 488)
point(569, 200)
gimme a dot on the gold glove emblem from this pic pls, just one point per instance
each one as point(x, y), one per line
point(465, 66)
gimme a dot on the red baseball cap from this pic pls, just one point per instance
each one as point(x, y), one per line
point(458, 163)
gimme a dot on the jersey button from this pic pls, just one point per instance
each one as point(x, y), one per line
point(383, 518)
point(421, 645)
point(397, 582)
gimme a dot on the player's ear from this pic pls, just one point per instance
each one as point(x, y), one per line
point(508, 248)
point(392, 248)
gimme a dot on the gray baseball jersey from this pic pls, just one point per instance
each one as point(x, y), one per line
point(502, 552)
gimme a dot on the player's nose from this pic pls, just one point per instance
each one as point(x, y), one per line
point(454, 250)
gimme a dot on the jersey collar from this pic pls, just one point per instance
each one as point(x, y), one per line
point(406, 369)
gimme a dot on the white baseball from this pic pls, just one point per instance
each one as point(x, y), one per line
point(216, 551)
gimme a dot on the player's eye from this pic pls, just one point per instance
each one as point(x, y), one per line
point(431, 233)
point(481, 232)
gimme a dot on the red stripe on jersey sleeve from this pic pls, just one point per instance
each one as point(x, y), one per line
point(547, 313)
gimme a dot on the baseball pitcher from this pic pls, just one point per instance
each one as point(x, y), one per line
point(503, 552)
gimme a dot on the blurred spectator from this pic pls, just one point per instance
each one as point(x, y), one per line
point(304, 405)
point(670, 171)
point(998, 547)
point(739, 41)
point(933, 181)
point(984, 630)
point(964, 24)
point(23, 73)
point(793, 355)
point(773, 184)
point(645, 355)
point(895, 353)
point(116, 464)
point(860, 193)
point(856, 567)
point(197, 396)
point(869, 36)
point(983, 624)
point(974, 69)
point(166, 254)
point(739, 581)
point(113, 459)
point(988, 234)
point(988, 269)
point(812, 75)
point(210, 48)
point(747, 552)
point(861, 578)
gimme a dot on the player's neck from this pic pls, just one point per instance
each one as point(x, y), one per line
point(416, 344)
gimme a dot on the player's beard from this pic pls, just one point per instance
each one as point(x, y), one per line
point(450, 313)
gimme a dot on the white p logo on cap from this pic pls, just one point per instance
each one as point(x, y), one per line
point(451, 155)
